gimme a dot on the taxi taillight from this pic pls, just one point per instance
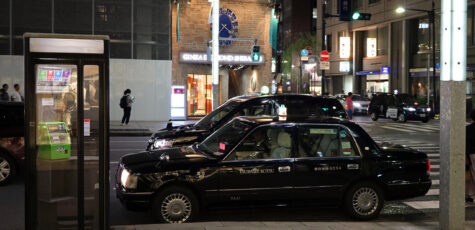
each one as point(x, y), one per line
point(428, 165)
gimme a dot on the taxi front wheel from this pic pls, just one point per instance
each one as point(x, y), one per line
point(364, 201)
point(175, 204)
point(7, 169)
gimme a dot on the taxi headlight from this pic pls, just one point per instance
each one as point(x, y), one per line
point(428, 109)
point(162, 143)
point(357, 105)
point(127, 180)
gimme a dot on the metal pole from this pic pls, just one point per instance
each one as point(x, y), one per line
point(428, 80)
point(215, 50)
point(299, 89)
point(323, 42)
point(452, 107)
point(432, 18)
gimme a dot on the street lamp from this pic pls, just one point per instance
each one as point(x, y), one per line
point(431, 15)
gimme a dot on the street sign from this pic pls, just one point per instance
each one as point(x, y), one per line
point(309, 49)
point(304, 58)
point(324, 55)
point(324, 65)
point(304, 53)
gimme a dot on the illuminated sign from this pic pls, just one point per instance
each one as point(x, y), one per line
point(202, 58)
point(178, 102)
point(345, 66)
point(371, 47)
point(424, 25)
point(344, 47)
point(385, 70)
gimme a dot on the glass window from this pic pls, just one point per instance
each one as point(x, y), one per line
point(470, 26)
point(151, 29)
point(423, 35)
point(199, 94)
point(30, 16)
point(114, 18)
point(373, 1)
point(4, 27)
point(325, 142)
point(357, 4)
point(73, 16)
point(225, 138)
point(265, 143)
point(383, 41)
point(328, 42)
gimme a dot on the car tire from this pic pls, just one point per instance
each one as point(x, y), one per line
point(374, 116)
point(175, 204)
point(425, 120)
point(364, 201)
point(401, 117)
point(7, 169)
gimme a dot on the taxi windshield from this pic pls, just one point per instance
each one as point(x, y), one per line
point(225, 138)
point(214, 117)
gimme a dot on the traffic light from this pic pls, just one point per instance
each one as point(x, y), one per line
point(345, 10)
point(256, 56)
point(360, 16)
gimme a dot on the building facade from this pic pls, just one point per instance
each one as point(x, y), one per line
point(389, 52)
point(140, 46)
point(247, 22)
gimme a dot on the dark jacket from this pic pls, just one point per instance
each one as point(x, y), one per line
point(4, 95)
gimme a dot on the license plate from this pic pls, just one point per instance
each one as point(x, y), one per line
point(422, 115)
point(60, 149)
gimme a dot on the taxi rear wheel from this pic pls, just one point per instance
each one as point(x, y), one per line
point(7, 169)
point(374, 116)
point(175, 204)
point(402, 117)
point(364, 201)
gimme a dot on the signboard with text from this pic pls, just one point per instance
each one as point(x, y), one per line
point(324, 65)
point(202, 58)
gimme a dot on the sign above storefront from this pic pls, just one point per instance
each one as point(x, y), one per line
point(345, 66)
point(202, 58)
point(371, 47)
point(344, 47)
point(385, 70)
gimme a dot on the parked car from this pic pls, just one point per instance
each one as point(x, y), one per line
point(264, 161)
point(295, 105)
point(399, 107)
point(12, 142)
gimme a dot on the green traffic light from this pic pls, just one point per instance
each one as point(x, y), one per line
point(356, 15)
point(256, 57)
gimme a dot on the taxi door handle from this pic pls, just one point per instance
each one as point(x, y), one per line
point(284, 169)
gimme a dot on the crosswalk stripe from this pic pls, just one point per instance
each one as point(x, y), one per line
point(430, 204)
point(436, 182)
point(398, 129)
point(432, 192)
point(434, 173)
point(435, 166)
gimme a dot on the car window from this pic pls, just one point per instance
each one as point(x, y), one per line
point(225, 138)
point(264, 143)
point(11, 117)
point(307, 106)
point(258, 108)
point(214, 117)
point(325, 142)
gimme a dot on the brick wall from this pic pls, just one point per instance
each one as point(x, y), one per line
point(253, 18)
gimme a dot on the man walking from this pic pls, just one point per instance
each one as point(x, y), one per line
point(349, 106)
point(16, 96)
point(126, 104)
point(4, 93)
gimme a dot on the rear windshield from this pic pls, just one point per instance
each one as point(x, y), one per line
point(318, 107)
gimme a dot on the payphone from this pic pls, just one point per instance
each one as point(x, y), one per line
point(67, 135)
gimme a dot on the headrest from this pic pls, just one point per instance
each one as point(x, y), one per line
point(284, 139)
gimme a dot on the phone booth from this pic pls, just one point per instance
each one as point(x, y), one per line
point(67, 134)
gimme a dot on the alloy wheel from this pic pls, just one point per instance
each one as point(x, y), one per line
point(365, 201)
point(176, 208)
point(5, 169)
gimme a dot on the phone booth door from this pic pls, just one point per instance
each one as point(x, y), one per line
point(67, 136)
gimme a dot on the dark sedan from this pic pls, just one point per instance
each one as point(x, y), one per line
point(250, 105)
point(12, 142)
point(399, 107)
point(263, 161)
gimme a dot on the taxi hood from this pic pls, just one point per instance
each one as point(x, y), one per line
point(149, 161)
point(176, 130)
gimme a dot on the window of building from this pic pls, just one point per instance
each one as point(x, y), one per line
point(329, 8)
point(376, 42)
point(73, 16)
point(357, 4)
point(29, 16)
point(470, 24)
point(373, 1)
point(328, 42)
point(151, 29)
point(383, 41)
point(4, 27)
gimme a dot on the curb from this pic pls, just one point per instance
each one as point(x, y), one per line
point(125, 132)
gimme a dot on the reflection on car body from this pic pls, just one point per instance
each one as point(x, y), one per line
point(264, 161)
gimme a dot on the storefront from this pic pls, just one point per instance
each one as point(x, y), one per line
point(239, 74)
point(375, 76)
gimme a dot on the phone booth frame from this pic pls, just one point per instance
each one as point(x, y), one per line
point(63, 49)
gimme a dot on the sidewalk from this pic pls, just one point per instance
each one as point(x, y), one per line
point(141, 128)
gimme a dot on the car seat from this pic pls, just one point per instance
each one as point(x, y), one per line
point(284, 143)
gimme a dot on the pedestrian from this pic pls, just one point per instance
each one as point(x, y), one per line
point(16, 96)
point(4, 93)
point(126, 104)
point(470, 159)
point(349, 105)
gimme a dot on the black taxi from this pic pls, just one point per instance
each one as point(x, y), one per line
point(264, 161)
point(248, 105)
